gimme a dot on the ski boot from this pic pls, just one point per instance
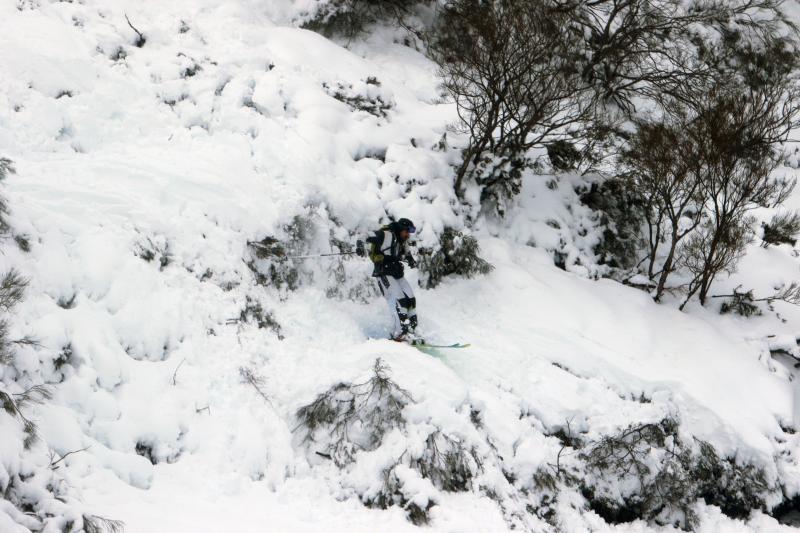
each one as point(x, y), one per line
point(408, 337)
point(413, 339)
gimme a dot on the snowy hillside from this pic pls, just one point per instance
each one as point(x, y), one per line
point(178, 361)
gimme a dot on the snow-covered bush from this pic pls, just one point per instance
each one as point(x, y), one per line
point(620, 208)
point(346, 281)
point(500, 179)
point(351, 419)
point(273, 265)
point(745, 303)
point(255, 313)
point(12, 289)
point(784, 228)
point(457, 254)
point(275, 262)
point(349, 17)
point(156, 249)
point(645, 471)
point(563, 155)
point(365, 96)
point(742, 303)
point(34, 495)
point(442, 460)
point(6, 168)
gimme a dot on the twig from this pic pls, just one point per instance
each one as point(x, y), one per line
point(175, 374)
point(789, 294)
point(249, 377)
point(141, 40)
point(201, 409)
point(564, 445)
point(54, 463)
point(27, 341)
point(735, 294)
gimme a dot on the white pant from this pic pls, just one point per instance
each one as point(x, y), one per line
point(402, 304)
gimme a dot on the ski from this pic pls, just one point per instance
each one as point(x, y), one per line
point(454, 345)
point(423, 344)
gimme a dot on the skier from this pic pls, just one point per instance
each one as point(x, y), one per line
point(388, 247)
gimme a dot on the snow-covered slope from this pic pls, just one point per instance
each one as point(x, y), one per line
point(142, 172)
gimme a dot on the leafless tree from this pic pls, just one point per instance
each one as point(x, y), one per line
point(738, 141)
point(660, 161)
point(653, 49)
point(509, 66)
point(528, 73)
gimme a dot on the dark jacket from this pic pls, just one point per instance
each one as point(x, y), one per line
point(386, 251)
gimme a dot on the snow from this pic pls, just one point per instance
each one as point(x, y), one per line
point(138, 158)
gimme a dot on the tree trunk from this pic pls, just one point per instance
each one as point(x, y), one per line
point(653, 241)
point(460, 173)
point(667, 268)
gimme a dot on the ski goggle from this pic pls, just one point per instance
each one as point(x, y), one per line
point(411, 229)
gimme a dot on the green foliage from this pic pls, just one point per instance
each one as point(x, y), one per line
point(563, 155)
point(444, 460)
point(375, 406)
point(457, 254)
point(350, 418)
point(23, 243)
point(274, 266)
point(346, 284)
point(784, 228)
point(6, 168)
point(736, 489)
point(65, 357)
point(375, 104)
point(253, 312)
point(620, 208)
point(14, 404)
point(668, 476)
point(275, 262)
point(12, 291)
point(155, 249)
point(500, 178)
point(145, 449)
point(742, 303)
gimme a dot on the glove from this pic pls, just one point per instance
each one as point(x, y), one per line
point(412, 263)
point(360, 249)
point(395, 269)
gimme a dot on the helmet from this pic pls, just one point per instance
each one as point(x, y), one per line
point(405, 224)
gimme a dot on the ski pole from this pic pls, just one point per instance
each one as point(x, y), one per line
point(316, 255)
point(259, 245)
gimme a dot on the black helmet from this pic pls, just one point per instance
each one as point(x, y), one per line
point(405, 224)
